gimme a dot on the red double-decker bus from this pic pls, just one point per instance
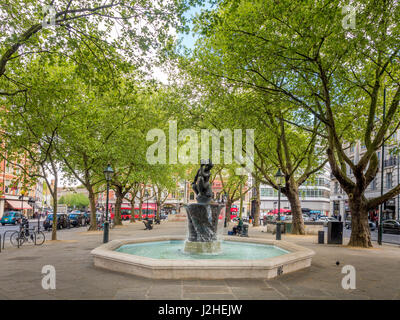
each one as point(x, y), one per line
point(148, 211)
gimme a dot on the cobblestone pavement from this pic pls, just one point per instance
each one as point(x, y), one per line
point(378, 274)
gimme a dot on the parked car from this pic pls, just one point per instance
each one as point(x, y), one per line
point(163, 216)
point(372, 225)
point(306, 217)
point(10, 217)
point(87, 217)
point(77, 219)
point(63, 221)
point(325, 220)
point(287, 218)
point(391, 226)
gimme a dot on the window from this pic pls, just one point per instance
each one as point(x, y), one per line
point(268, 192)
point(336, 187)
point(373, 184)
point(388, 180)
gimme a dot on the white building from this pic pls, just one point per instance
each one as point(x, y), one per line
point(314, 195)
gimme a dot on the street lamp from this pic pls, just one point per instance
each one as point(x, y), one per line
point(279, 177)
point(108, 172)
point(22, 200)
point(22, 207)
point(31, 202)
point(226, 209)
point(147, 204)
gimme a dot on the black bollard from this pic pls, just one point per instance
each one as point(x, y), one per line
point(321, 237)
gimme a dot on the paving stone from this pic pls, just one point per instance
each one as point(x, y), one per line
point(208, 296)
point(206, 289)
point(20, 272)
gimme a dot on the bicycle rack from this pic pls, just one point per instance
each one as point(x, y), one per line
point(4, 236)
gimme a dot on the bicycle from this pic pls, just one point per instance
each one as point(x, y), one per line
point(18, 238)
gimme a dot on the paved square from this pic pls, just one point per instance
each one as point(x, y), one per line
point(377, 272)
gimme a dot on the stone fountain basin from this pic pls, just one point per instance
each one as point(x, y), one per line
point(298, 258)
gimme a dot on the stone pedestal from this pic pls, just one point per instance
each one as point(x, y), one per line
point(202, 247)
point(202, 226)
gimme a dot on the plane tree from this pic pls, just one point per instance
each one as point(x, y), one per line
point(310, 55)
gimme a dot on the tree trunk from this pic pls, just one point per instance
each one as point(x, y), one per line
point(228, 211)
point(92, 203)
point(55, 203)
point(292, 193)
point(158, 209)
point(140, 208)
point(117, 210)
point(360, 234)
point(132, 210)
point(257, 208)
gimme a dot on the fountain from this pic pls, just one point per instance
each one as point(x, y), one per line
point(203, 216)
point(204, 253)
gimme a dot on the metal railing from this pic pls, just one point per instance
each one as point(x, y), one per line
point(389, 162)
point(4, 236)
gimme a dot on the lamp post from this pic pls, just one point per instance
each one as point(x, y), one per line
point(147, 204)
point(31, 202)
point(22, 201)
point(279, 175)
point(22, 207)
point(398, 183)
point(229, 209)
point(108, 172)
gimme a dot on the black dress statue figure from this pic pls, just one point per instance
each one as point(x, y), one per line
point(201, 184)
point(204, 215)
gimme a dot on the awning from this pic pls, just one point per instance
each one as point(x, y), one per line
point(275, 211)
point(15, 204)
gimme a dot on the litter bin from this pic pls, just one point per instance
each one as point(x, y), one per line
point(288, 227)
point(321, 237)
point(335, 232)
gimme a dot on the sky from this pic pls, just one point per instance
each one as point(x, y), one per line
point(189, 39)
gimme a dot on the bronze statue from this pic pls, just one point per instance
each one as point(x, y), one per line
point(203, 216)
point(201, 184)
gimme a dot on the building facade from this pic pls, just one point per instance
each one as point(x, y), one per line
point(314, 195)
point(11, 193)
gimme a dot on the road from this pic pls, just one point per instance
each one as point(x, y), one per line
point(386, 237)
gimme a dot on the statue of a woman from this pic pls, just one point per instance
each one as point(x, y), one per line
point(201, 184)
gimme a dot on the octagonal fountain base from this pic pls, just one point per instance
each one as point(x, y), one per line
point(295, 258)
